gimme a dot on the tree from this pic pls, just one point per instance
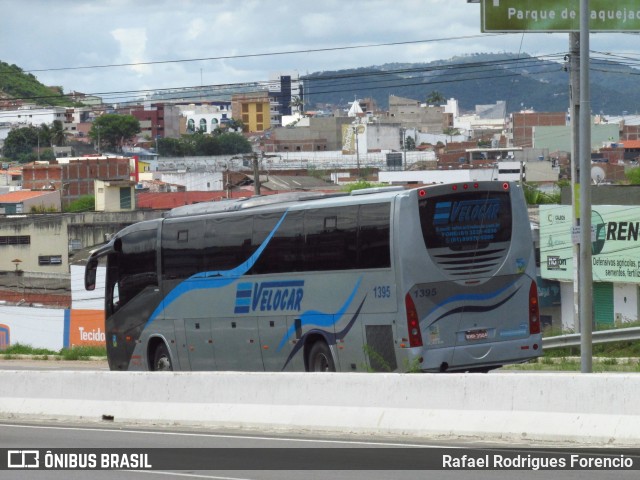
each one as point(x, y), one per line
point(20, 143)
point(112, 130)
point(200, 144)
point(86, 203)
point(435, 98)
point(172, 147)
point(451, 132)
point(409, 143)
point(58, 138)
point(297, 104)
point(235, 125)
point(633, 175)
point(233, 144)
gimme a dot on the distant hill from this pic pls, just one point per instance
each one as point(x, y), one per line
point(480, 79)
point(522, 81)
point(15, 83)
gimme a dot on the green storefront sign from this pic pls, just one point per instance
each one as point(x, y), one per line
point(615, 251)
point(559, 15)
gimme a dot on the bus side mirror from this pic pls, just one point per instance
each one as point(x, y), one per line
point(90, 274)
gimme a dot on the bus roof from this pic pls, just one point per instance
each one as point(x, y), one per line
point(280, 199)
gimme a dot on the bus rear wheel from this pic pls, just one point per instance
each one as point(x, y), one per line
point(320, 358)
point(162, 359)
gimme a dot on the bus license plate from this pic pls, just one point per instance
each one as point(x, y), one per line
point(476, 335)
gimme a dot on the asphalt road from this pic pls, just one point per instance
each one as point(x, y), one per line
point(101, 436)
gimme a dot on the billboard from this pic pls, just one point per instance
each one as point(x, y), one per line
point(354, 139)
point(86, 327)
point(559, 15)
point(5, 337)
point(615, 250)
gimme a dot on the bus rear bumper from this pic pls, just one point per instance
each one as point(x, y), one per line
point(478, 357)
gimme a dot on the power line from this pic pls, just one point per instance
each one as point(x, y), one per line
point(449, 69)
point(266, 54)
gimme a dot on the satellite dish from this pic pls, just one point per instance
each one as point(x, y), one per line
point(597, 175)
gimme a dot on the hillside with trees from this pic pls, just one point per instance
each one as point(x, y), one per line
point(15, 83)
point(521, 80)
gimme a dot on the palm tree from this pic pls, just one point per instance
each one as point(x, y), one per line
point(297, 104)
point(58, 137)
point(435, 98)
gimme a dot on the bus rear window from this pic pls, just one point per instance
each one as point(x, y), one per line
point(466, 220)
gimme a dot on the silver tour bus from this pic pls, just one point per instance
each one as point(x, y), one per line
point(438, 278)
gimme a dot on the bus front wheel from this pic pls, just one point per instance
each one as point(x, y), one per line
point(320, 358)
point(162, 359)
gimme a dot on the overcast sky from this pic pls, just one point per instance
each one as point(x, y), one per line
point(58, 34)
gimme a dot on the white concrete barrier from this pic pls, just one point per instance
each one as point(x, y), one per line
point(589, 409)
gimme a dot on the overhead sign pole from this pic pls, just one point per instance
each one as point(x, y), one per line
point(585, 271)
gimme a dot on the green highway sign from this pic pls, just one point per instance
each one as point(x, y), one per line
point(559, 15)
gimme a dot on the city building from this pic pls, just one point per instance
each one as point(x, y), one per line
point(286, 95)
point(27, 201)
point(253, 110)
point(74, 177)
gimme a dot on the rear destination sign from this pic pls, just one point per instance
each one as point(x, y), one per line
point(559, 15)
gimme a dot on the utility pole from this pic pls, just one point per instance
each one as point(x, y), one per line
point(404, 147)
point(574, 114)
point(355, 129)
point(256, 173)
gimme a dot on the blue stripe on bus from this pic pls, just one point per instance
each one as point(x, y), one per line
point(320, 319)
point(214, 279)
point(242, 309)
point(243, 294)
point(472, 297)
point(474, 308)
point(241, 302)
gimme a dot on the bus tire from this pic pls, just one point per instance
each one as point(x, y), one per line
point(320, 358)
point(162, 359)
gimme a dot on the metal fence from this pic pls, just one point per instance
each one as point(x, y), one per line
point(604, 336)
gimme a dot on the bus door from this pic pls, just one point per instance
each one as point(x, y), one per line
point(236, 341)
point(199, 341)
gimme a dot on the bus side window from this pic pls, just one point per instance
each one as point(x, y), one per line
point(374, 236)
point(330, 238)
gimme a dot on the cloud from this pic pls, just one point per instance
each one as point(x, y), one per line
point(132, 42)
point(110, 32)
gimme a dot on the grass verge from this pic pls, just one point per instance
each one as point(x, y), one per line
point(74, 353)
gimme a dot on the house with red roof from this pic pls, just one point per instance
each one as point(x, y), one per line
point(30, 201)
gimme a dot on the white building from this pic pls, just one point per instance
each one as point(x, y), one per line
point(32, 115)
point(436, 176)
point(194, 181)
point(206, 118)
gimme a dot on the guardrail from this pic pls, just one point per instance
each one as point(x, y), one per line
point(603, 336)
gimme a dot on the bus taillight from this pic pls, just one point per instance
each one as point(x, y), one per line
point(413, 322)
point(534, 310)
